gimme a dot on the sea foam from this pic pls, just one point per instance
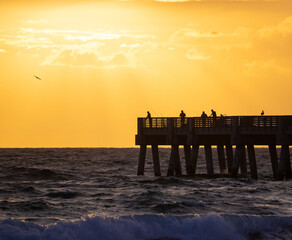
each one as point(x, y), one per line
point(153, 227)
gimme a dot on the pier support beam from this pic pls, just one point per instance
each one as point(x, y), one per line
point(243, 165)
point(252, 161)
point(194, 157)
point(238, 158)
point(142, 156)
point(174, 166)
point(284, 168)
point(156, 162)
point(274, 159)
point(221, 158)
point(177, 166)
point(189, 166)
point(209, 159)
point(229, 154)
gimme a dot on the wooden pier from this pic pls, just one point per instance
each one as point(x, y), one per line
point(234, 134)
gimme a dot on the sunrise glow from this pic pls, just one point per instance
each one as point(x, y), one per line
point(102, 64)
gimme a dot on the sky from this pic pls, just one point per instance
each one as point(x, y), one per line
point(103, 64)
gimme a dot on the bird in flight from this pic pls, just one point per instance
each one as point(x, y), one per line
point(37, 77)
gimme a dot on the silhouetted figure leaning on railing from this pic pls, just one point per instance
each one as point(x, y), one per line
point(214, 115)
point(182, 117)
point(204, 118)
point(149, 118)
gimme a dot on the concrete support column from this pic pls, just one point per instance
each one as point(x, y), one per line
point(170, 171)
point(274, 159)
point(284, 167)
point(288, 172)
point(174, 166)
point(221, 158)
point(194, 157)
point(243, 165)
point(142, 156)
point(238, 158)
point(229, 154)
point(252, 161)
point(189, 167)
point(177, 166)
point(156, 163)
point(209, 159)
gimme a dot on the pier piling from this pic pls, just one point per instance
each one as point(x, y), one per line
point(243, 163)
point(252, 162)
point(274, 159)
point(156, 163)
point(189, 167)
point(238, 159)
point(194, 158)
point(142, 156)
point(229, 154)
point(221, 158)
point(209, 160)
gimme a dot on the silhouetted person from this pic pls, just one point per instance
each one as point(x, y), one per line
point(150, 119)
point(182, 117)
point(214, 115)
point(204, 117)
point(263, 119)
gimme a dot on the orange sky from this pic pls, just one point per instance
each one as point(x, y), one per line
point(105, 63)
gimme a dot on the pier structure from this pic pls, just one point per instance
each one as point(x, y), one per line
point(234, 137)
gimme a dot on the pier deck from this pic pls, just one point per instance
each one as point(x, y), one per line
point(243, 132)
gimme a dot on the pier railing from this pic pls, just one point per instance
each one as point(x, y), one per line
point(218, 122)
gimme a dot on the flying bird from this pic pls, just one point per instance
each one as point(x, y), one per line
point(37, 77)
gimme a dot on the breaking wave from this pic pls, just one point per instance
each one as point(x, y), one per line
point(154, 227)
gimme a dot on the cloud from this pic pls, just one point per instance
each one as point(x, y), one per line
point(28, 42)
point(189, 35)
point(86, 58)
point(75, 48)
point(254, 49)
point(256, 67)
point(98, 34)
point(193, 54)
point(37, 22)
point(3, 51)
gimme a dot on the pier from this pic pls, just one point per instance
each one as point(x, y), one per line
point(235, 138)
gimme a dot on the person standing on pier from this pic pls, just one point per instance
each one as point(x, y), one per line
point(214, 115)
point(204, 117)
point(150, 119)
point(182, 117)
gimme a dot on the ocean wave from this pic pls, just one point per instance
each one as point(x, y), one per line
point(154, 227)
point(63, 194)
point(24, 206)
point(23, 173)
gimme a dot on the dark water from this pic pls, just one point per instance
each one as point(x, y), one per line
point(95, 194)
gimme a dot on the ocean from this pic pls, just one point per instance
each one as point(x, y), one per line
point(94, 193)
